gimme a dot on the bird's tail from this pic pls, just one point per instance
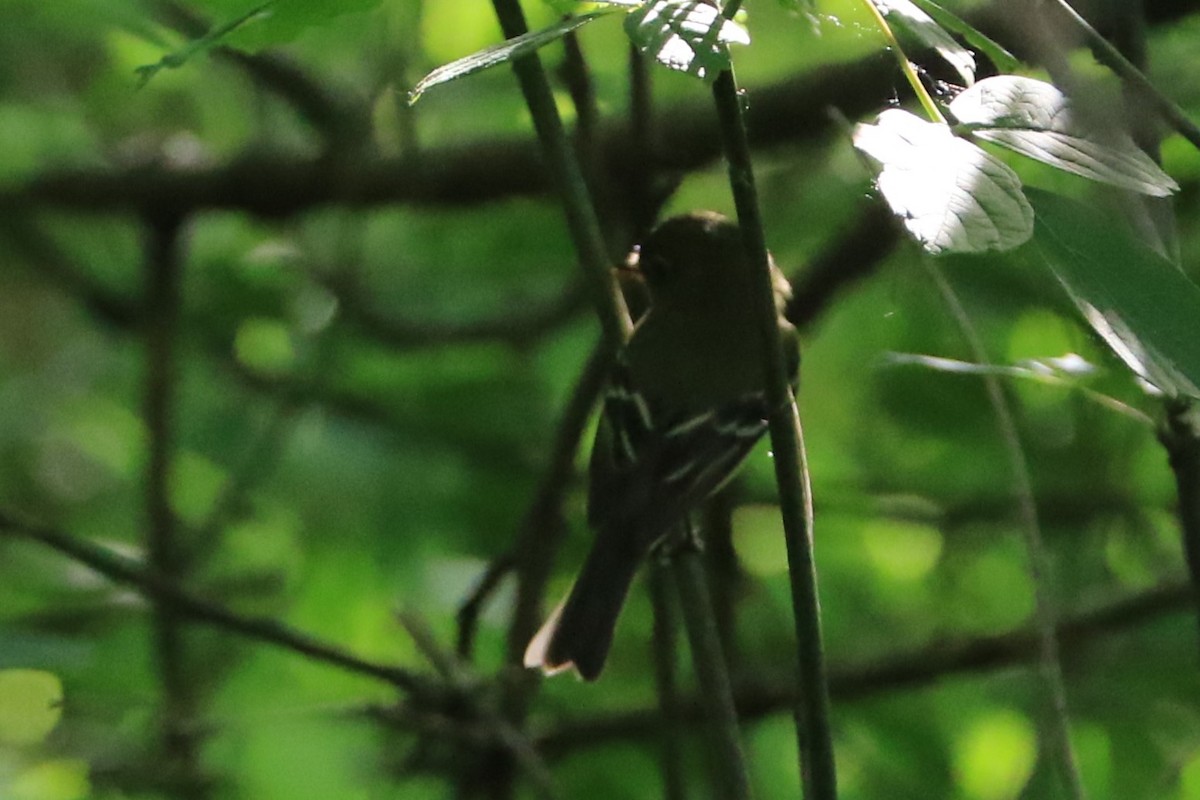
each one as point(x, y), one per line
point(580, 631)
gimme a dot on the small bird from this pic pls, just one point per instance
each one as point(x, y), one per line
point(684, 406)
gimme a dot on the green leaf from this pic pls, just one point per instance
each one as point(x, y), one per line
point(906, 19)
point(287, 18)
point(1004, 60)
point(995, 755)
point(1141, 305)
point(1035, 119)
point(501, 53)
point(952, 196)
point(799, 6)
point(574, 6)
point(30, 705)
point(685, 35)
point(38, 136)
point(203, 44)
point(53, 779)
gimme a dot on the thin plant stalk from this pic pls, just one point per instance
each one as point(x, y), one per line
point(906, 66)
point(1045, 615)
point(582, 221)
point(165, 552)
point(729, 763)
point(1181, 438)
point(1127, 70)
point(664, 653)
point(817, 769)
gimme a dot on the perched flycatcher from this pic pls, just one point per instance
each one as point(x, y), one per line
point(685, 405)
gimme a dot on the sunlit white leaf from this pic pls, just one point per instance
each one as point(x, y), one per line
point(685, 35)
point(952, 196)
point(1035, 119)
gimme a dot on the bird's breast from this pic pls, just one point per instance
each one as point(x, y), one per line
point(698, 366)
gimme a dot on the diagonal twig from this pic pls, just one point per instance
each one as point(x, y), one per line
point(130, 573)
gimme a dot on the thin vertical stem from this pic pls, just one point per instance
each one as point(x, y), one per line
point(165, 554)
point(906, 66)
point(543, 528)
point(642, 174)
point(578, 80)
point(665, 650)
point(1180, 433)
point(723, 568)
point(1181, 438)
point(568, 179)
point(542, 533)
point(1122, 66)
point(817, 770)
point(535, 558)
point(666, 682)
point(729, 763)
point(1045, 616)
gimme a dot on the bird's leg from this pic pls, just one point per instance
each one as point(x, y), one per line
point(684, 537)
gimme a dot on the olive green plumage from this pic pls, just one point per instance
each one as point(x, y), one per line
point(685, 405)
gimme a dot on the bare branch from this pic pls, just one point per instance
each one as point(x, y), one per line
point(154, 586)
point(922, 667)
point(1181, 439)
point(163, 270)
point(793, 111)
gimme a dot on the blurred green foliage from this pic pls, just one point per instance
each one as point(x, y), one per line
point(328, 472)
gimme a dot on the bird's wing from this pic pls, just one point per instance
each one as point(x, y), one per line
point(648, 463)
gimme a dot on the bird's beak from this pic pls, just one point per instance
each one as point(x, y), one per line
point(632, 262)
